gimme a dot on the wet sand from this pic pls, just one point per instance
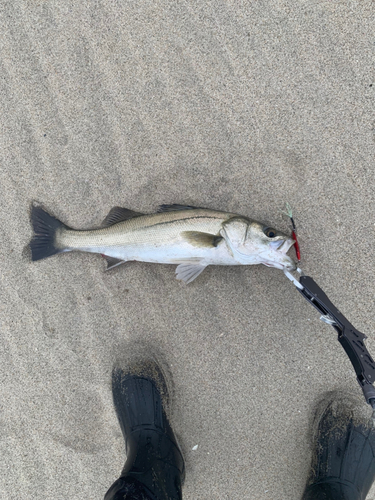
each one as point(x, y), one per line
point(237, 106)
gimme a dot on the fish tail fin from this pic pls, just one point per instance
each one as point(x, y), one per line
point(43, 243)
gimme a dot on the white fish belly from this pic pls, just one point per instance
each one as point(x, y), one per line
point(168, 254)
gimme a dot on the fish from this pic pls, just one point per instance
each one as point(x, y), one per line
point(190, 237)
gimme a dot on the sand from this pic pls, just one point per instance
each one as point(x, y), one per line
point(237, 106)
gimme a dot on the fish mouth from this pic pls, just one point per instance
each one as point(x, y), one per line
point(282, 245)
point(279, 251)
point(286, 245)
point(287, 265)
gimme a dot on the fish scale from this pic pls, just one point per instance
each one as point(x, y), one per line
point(154, 228)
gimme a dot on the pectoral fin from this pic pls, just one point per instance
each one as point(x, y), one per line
point(199, 239)
point(188, 272)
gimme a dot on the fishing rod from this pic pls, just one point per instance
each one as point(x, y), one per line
point(351, 339)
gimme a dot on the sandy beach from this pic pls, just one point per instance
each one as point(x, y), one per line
point(236, 106)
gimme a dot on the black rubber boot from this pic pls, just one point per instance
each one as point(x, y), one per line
point(343, 466)
point(154, 468)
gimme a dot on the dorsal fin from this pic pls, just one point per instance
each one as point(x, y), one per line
point(176, 207)
point(119, 214)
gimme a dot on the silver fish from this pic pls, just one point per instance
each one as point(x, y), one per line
point(191, 237)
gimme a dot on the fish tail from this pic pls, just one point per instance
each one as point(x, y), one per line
point(46, 230)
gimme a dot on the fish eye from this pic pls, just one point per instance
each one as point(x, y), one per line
point(268, 231)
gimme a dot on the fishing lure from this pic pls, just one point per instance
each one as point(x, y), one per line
point(289, 213)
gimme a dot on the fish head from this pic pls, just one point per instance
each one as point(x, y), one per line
point(254, 243)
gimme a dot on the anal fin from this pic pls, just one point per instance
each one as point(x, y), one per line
point(113, 262)
point(188, 272)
